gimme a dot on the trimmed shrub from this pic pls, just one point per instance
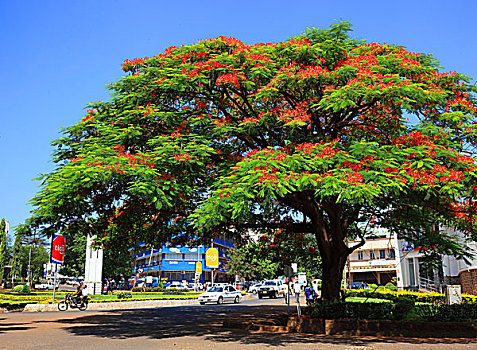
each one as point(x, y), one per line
point(391, 286)
point(26, 289)
point(18, 289)
point(21, 288)
point(124, 295)
point(173, 291)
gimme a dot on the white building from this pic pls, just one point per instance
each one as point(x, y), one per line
point(385, 258)
point(457, 271)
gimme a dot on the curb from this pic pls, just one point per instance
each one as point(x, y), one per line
point(349, 327)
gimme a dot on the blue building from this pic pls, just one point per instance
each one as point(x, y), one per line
point(178, 263)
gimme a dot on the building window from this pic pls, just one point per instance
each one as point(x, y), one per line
point(190, 257)
point(382, 254)
point(392, 254)
point(173, 275)
point(190, 276)
point(173, 256)
point(371, 255)
point(360, 255)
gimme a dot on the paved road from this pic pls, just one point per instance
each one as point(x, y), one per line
point(190, 327)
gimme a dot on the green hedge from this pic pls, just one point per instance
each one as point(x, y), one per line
point(434, 298)
point(24, 297)
point(178, 297)
point(360, 311)
point(395, 311)
point(149, 289)
point(171, 291)
point(14, 305)
point(447, 313)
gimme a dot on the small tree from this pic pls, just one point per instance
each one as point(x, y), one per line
point(16, 262)
point(252, 263)
point(3, 247)
point(39, 257)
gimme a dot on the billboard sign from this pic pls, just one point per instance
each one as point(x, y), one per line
point(198, 267)
point(407, 247)
point(212, 258)
point(58, 249)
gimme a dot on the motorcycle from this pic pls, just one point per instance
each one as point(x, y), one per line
point(73, 303)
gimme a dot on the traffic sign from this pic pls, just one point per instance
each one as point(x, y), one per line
point(58, 249)
point(212, 258)
point(288, 271)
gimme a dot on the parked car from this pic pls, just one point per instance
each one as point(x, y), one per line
point(73, 282)
point(140, 282)
point(272, 289)
point(359, 285)
point(154, 283)
point(254, 288)
point(220, 294)
point(175, 284)
point(46, 285)
point(180, 285)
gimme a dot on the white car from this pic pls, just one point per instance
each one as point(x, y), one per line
point(272, 289)
point(254, 288)
point(220, 294)
point(46, 285)
point(179, 285)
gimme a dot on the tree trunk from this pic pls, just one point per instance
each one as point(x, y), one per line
point(330, 228)
point(333, 263)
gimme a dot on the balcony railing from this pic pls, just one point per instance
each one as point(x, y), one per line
point(427, 284)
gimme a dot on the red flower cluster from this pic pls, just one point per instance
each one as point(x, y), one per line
point(228, 78)
point(88, 119)
point(129, 65)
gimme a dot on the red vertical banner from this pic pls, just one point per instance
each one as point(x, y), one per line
point(58, 249)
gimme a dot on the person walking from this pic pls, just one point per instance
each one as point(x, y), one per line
point(297, 289)
point(309, 294)
point(316, 288)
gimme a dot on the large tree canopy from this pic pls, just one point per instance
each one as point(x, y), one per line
point(309, 135)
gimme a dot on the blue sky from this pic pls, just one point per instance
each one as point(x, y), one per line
point(56, 56)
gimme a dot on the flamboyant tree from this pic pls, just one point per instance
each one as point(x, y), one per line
point(310, 135)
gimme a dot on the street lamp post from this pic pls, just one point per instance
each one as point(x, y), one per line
point(29, 268)
point(35, 241)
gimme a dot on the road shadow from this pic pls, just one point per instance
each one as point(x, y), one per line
point(207, 321)
point(274, 339)
point(8, 327)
